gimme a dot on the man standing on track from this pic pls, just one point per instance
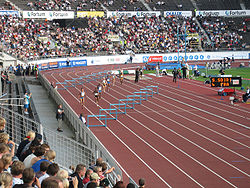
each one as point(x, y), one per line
point(137, 75)
point(175, 74)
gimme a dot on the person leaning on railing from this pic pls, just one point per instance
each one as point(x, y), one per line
point(28, 139)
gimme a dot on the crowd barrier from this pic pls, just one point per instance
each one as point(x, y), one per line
point(68, 151)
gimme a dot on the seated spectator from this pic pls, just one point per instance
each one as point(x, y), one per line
point(43, 168)
point(2, 124)
point(52, 181)
point(4, 138)
point(94, 179)
point(51, 171)
point(119, 184)
point(28, 179)
point(28, 139)
point(49, 157)
point(141, 183)
point(86, 178)
point(17, 172)
point(7, 161)
point(246, 96)
point(4, 149)
point(1, 165)
point(98, 170)
point(33, 145)
point(98, 162)
point(34, 157)
point(79, 173)
point(104, 183)
point(5, 180)
point(64, 175)
point(105, 169)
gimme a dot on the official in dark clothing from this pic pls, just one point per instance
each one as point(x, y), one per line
point(175, 74)
point(137, 73)
point(184, 71)
point(79, 173)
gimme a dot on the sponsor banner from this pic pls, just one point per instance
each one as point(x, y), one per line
point(9, 12)
point(178, 13)
point(44, 66)
point(142, 58)
point(133, 13)
point(73, 63)
point(197, 56)
point(81, 14)
point(114, 38)
point(53, 65)
point(49, 14)
point(223, 13)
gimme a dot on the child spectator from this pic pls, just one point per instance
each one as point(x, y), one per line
point(5, 180)
point(17, 172)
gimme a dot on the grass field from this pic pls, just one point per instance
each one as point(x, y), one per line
point(243, 72)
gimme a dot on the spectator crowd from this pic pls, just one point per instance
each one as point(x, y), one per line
point(28, 39)
point(32, 165)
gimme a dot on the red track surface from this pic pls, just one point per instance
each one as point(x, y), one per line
point(183, 137)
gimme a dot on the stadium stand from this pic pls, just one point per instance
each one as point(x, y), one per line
point(218, 4)
point(4, 5)
point(179, 5)
point(224, 32)
point(30, 39)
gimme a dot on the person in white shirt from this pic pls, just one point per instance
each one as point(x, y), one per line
point(17, 172)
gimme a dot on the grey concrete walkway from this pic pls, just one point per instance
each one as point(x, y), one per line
point(46, 109)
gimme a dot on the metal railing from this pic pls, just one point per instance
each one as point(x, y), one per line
point(68, 151)
point(83, 133)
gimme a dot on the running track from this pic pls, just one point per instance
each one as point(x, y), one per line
point(183, 137)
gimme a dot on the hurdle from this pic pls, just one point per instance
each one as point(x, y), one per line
point(68, 86)
point(120, 107)
point(96, 116)
point(149, 91)
point(143, 94)
point(157, 89)
point(69, 80)
point(135, 98)
point(110, 112)
point(128, 102)
point(62, 83)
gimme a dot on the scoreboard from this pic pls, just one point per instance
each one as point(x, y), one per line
point(226, 82)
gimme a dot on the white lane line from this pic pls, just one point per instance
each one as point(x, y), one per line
point(184, 137)
point(212, 101)
point(189, 111)
point(231, 121)
point(173, 145)
point(120, 139)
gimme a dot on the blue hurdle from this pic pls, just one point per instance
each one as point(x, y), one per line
point(157, 89)
point(62, 83)
point(143, 94)
point(136, 98)
point(128, 102)
point(96, 116)
point(149, 91)
point(69, 80)
point(69, 86)
point(120, 107)
point(110, 112)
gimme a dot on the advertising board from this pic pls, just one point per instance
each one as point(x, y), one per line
point(49, 14)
